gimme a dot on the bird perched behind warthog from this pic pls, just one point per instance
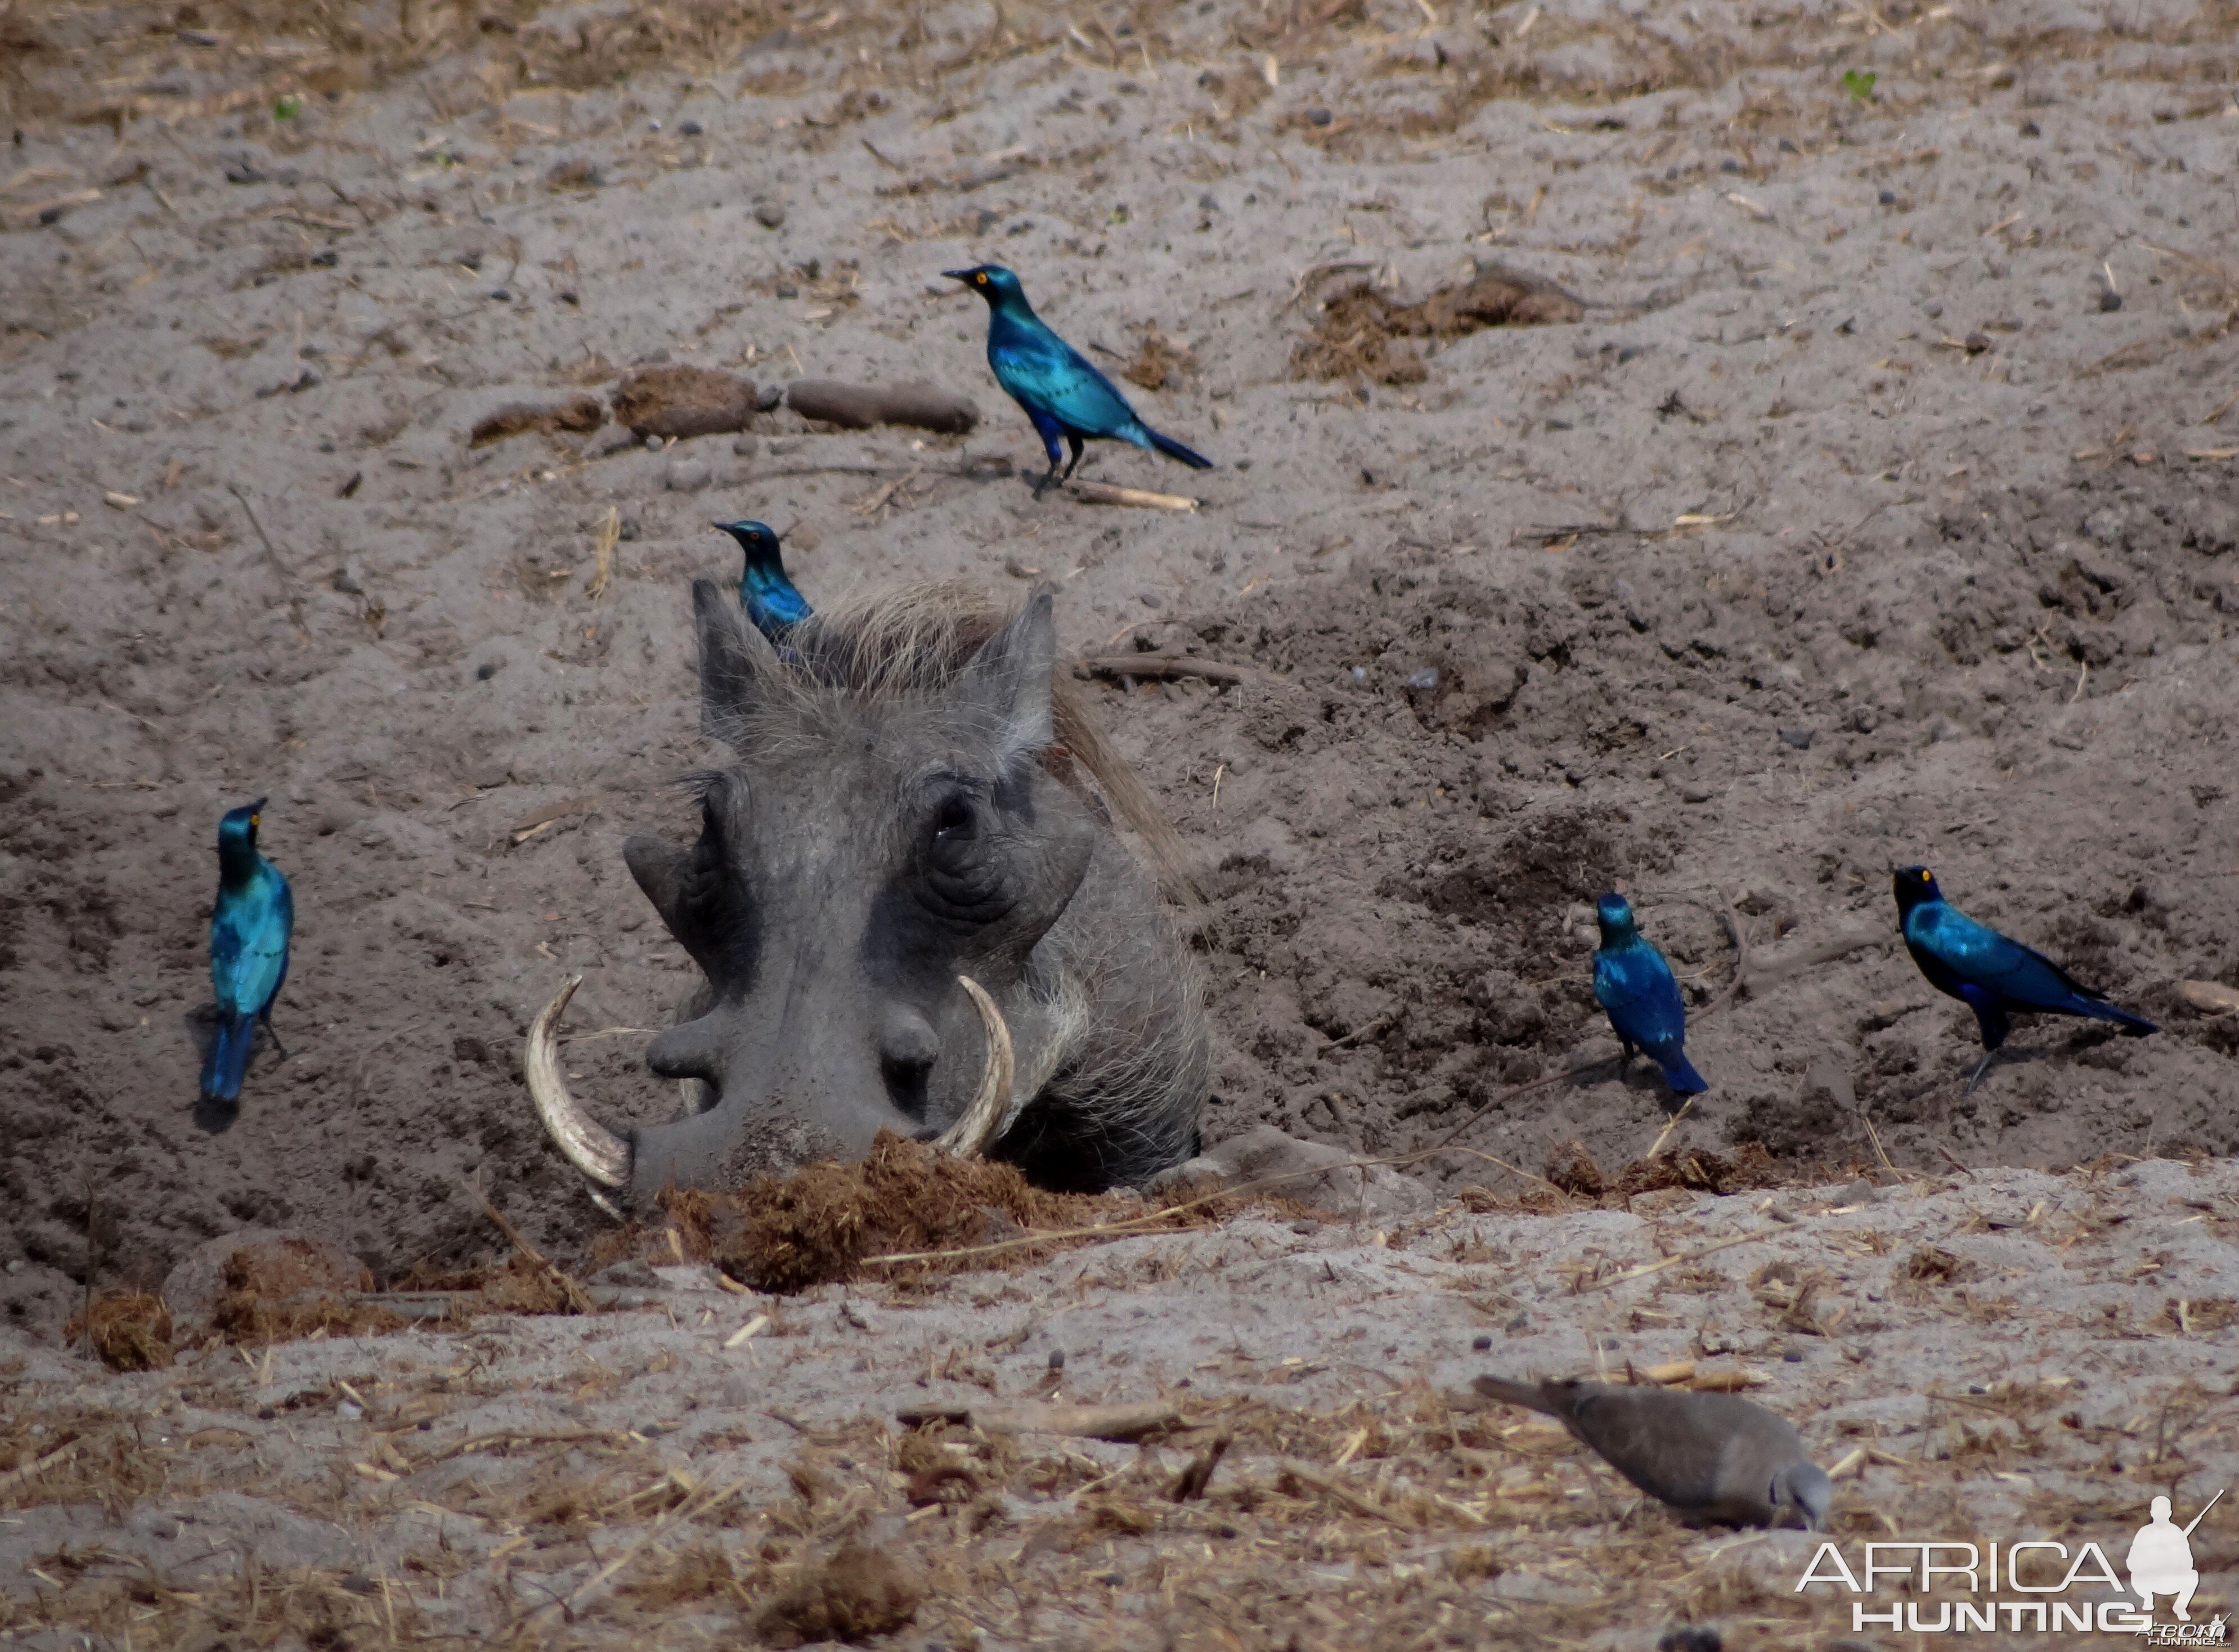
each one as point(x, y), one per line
point(912, 914)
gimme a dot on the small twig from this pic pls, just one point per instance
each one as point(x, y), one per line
point(272, 552)
point(1741, 955)
point(1382, 1024)
point(577, 1299)
point(1337, 1492)
point(1163, 668)
point(1670, 1125)
point(1195, 1478)
point(1955, 1162)
point(38, 1466)
point(1104, 493)
point(1696, 1255)
point(1313, 273)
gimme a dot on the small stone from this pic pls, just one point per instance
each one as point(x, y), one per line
point(1056, 1359)
point(2109, 301)
point(767, 397)
point(1827, 1087)
point(629, 528)
point(1695, 792)
point(1424, 679)
point(1977, 342)
point(503, 295)
point(1888, 197)
point(1307, 1225)
point(1319, 116)
point(328, 259)
point(1480, 1344)
point(687, 475)
point(1799, 738)
point(786, 289)
point(1934, 312)
point(349, 579)
point(348, 1412)
point(690, 129)
point(771, 215)
point(744, 446)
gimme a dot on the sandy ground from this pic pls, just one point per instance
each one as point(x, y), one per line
point(1881, 506)
point(2007, 1355)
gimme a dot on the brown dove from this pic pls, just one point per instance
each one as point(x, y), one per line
point(1714, 1457)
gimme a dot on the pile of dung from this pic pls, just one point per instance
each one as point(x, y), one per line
point(130, 1330)
point(786, 1234)
point(1354, 339)
point(291, 1288)
point(1572, 1168)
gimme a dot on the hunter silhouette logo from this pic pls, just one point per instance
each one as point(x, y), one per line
point(2160, 1560)
point(1956, 1587)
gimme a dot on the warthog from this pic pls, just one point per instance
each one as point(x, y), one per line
point(912, 914)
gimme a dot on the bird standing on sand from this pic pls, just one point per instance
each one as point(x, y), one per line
point(1061, 391)
point(1991, 975)
point(764, 591)
point(1711, 1456)
point(249, 927)
point(1634, 985)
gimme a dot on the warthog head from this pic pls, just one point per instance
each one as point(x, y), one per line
point(910, 912)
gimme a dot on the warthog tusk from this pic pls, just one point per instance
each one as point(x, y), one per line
point(589, 1146)
point(968, 1137)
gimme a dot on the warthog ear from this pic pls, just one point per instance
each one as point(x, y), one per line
point(735, 659)
point(1006, 685)
point(659, 865)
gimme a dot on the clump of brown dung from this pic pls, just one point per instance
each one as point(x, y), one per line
point(130, 1330)
point(680, 401)
point(578, 412)
point(1572, 1168)
point(1355, 337)
point(855, 1593)
point(1158, 361)
point(291, 1288)
point(785, 1234)
point(1750, 1166)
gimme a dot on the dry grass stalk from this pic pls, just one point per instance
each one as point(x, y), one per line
point(127, 1330)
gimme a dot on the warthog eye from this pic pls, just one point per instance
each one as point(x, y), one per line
point(954, 820)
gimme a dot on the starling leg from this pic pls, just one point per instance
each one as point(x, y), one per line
point(1079, 448)
point(1981, 1067)
point(274, 1037)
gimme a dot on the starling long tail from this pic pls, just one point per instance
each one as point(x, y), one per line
point(228, 1059)
point(1173, 449)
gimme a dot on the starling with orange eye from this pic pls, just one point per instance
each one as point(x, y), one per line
point(1067, 398)
point(251, 924)
point(1990, 974)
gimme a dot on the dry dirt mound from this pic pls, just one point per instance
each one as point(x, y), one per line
point(1432, 775)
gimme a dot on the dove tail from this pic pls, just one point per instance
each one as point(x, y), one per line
point(1525, 1394)
point(1173, 449)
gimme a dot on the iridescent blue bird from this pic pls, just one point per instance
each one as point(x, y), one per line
point(1991, 975)
point(249, 926)
point(1064, 395)
point(764, 591)
point(1634, 984)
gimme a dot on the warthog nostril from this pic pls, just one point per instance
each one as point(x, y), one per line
point(907, 1048)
